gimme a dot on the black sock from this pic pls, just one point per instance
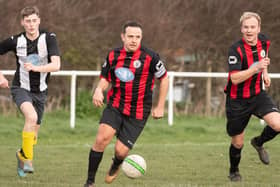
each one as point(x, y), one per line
point(93, 163)
point(116, 162)
point(267, 134)
point(235, 157)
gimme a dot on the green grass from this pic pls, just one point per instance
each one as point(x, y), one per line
point(191, 153)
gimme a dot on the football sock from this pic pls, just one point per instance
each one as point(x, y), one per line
point(116, 162)
point(93, 163)
point(267, 134)
point(235, 157)
point(27, 144)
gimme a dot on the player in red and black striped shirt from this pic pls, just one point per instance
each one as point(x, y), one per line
point(248, 63)
point(243, 56)
point(131, 71)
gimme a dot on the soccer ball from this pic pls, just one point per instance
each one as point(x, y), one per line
point(134, 166)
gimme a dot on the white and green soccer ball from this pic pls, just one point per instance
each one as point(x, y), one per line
point(134, 166)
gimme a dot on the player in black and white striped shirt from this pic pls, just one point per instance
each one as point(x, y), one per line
point(37, 55)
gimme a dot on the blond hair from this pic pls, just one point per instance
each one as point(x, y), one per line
point(247, 15)
point(29, 10)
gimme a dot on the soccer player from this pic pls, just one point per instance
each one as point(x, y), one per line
point(248, 63)
point(29, 87)
point(131, 70)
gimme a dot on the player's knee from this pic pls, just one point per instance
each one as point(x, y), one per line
point(276, 124)
point(31, 118)
point(121, 151)
point(101, 142)
point(238, 145)
point(277, 127)
point(120, 154)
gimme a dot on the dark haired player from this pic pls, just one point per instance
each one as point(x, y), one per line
point(131, 70)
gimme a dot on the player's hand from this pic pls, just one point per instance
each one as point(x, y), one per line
point(28, 66)
point(263, 63)
point(158, 112)
point(98, 97)
point(266, 80)
point(4, 83)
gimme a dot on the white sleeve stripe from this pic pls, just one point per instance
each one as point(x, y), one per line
point(160, 72)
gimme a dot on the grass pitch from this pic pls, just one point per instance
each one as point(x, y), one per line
point(191, 153)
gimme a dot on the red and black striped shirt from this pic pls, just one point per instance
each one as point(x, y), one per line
point(132, 77)
point(240, 57)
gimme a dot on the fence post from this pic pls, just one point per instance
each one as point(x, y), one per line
point(170, 98)
point(73, 100)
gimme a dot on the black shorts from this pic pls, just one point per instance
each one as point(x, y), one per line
point(239, 111)
point(127, 129)
point(38, 100)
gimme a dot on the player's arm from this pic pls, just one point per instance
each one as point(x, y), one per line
point(241, 76)
point(53, 66)
point(266, 78)
point(7, 45)
point(3, 81)
point(103, 84)
point(98, 96)
point(160, 73)
point(158, 111)
point(53, 52)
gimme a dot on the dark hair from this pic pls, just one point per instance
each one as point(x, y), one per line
point(131, 24)
point(27, 11)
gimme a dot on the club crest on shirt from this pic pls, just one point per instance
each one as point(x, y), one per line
point(232, 60)
point(263, 53)
point(124, 74)
point(136, 64)
point(35, 59)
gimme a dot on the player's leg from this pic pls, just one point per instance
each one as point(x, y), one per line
point(104, 136)
point(268, 111)
point(269, 132)
point(121, 151)
point(33, 114)
point(110, 121)
point(127, 136)
point(238, 113)
point(28, 135)
point(235, 149)
point(24, 102)
point(37, 128)
point(39, 100)
point(273, 121)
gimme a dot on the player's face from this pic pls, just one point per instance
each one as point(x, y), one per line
point(250, 29)
point(132, 38)
point(31, 24)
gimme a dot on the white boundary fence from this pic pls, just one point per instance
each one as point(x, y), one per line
point(171, 75)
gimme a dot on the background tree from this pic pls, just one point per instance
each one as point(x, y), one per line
point(87, 29)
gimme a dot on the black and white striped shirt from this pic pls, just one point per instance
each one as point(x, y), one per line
point(45, 46)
